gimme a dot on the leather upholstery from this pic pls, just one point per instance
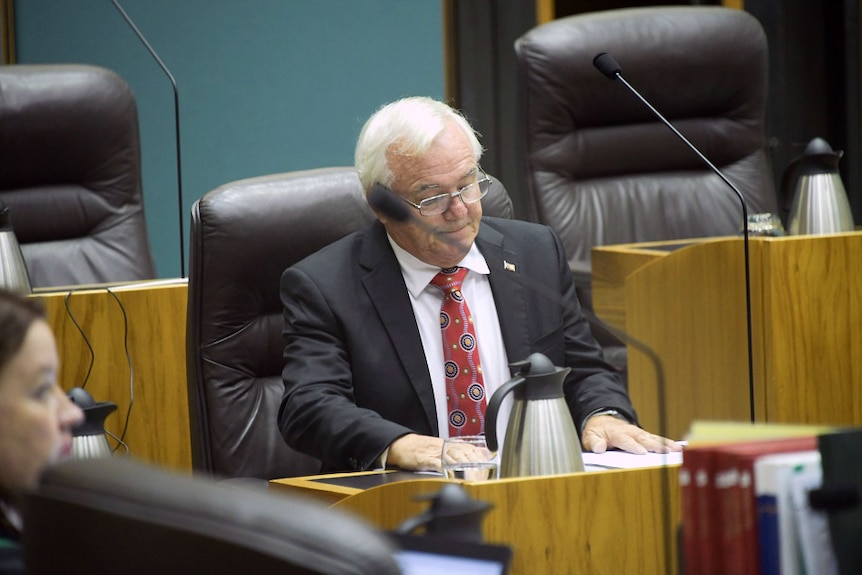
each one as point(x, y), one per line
point(71, 174)
point(601, 168)
point(116, 515)
point(243, 236)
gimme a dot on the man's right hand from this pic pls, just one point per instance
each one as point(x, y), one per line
point(414, 452)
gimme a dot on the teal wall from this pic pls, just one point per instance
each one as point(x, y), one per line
point(265, 86)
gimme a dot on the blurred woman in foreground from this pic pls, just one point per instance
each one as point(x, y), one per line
point(36, 416)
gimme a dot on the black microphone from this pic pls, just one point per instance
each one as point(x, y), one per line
point(384, 200)
point(606, 64)
point(176, 126)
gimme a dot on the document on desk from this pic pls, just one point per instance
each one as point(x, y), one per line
point(625, 460)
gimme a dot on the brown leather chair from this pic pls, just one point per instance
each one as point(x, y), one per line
point(116, 515)
point(71, 174)
point(602, 169)
point(243, 236)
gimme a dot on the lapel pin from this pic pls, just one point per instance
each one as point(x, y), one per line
point(508, 267)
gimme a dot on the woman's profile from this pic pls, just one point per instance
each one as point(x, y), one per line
point(36, 416)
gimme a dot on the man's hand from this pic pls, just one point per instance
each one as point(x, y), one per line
point(603, 432)
point(415, 452)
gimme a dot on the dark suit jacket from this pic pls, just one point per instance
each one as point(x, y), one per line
point(355, 373)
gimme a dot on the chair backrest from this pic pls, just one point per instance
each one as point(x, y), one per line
point(71, 174)
point(244, 234)
point(601, 168)
point(116, 515)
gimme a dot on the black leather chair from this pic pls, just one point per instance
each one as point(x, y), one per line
point(116, 515)
point(602, 169)
point(71, 174)
point(243, 236)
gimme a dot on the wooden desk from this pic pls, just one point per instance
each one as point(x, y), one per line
point(606, 522)
point(686, 300)
point(158, 425)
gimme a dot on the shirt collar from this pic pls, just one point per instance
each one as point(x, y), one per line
point(418, 274)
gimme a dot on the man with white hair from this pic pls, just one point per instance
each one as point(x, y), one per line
point(368, 379)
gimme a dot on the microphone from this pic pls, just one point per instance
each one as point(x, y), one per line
point(176, 128)
point(384, 200)
point(606, 64)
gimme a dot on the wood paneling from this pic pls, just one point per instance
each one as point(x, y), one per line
point(609, 522)
point(149, 322)
point(688, 305)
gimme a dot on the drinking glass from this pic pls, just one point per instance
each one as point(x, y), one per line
point(765, 224)
point(468, 457)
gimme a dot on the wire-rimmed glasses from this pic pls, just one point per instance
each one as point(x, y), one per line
point(469, 194)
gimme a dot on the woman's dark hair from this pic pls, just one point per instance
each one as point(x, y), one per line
point(17, 314)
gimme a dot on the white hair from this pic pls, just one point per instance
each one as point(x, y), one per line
point(410, 126)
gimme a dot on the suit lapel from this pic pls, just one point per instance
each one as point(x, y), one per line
point(508, 290)
point(385, 288)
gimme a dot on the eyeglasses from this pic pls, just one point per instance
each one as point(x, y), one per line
point(469, 194)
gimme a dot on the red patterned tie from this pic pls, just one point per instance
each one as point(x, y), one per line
point(465, 388)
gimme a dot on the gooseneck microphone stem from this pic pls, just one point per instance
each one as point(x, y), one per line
point(176, 128)
point(609, 67)
point(661, 394)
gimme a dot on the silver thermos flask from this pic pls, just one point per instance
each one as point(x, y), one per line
point(819, 204)
point(541, 438)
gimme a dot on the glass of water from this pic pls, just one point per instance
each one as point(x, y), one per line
point(764, 225)
point(468, 457)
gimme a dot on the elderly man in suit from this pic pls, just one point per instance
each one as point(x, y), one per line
point(369, 376)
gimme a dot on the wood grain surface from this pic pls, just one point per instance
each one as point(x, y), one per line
point(689, 306)
point(153, 334)
point(600, 522)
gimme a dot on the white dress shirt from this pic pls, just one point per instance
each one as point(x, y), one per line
point(426, 300)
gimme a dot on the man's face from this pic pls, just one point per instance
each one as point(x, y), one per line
point(448, 165)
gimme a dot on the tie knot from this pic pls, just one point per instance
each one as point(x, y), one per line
point(449, 278)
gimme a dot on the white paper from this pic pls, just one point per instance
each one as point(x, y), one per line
point(624, 460)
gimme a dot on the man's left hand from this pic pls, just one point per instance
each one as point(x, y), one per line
point(603, 432)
